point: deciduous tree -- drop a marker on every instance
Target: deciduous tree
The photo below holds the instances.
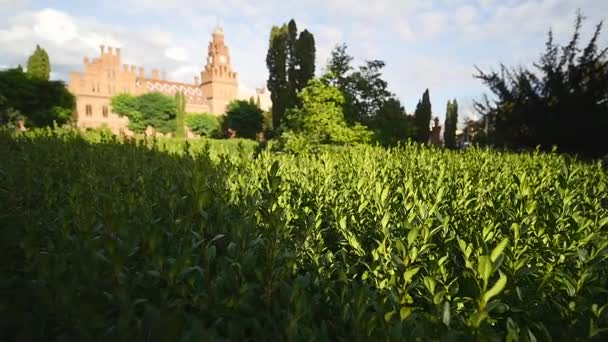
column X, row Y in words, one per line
column 245, row 118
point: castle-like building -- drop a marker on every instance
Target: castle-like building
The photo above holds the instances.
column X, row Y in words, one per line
column 105, row 77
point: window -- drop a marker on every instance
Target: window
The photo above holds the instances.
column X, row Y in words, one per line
column 88, row 110
column 104, row 111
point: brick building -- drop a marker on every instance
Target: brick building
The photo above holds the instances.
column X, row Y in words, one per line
column 104, row 77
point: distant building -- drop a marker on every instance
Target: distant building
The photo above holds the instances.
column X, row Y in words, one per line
column 104, row 78
column 435, row 138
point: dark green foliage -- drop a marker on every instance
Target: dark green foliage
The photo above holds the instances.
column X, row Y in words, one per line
column 561, row 101
column 180, row 102
column 422, row 118
column 451, row 121
column 367, row 99
column 243, row 117
column 39, row 101
column 152, row 109
column 118, row 242
column 38, row 65
column 392, row 124
column 305, row 54
column 291, row 64
column 207, row 125
column 339, row 67
column 276, row 61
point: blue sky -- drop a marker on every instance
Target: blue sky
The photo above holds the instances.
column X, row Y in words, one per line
column 431, row 44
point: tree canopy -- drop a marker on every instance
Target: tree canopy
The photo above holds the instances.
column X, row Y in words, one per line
column 291, row 64
column 320, row 119
column 562, row 100
column 39, row 65
column 244, row 117
column 367, row 99
column 204, row 124
column 39, row 101
column 152, row 109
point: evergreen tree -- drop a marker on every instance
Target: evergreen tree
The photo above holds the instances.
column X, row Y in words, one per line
column 292, row 64
column 180, row 102
column 561, row 100
column 451, row 120
column 305, row 58
column 38, row 65
column 422, row 117
column 276, row 60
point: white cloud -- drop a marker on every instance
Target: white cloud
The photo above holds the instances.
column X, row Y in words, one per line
column 464, row 16
column 433, row 23
column 177, row 54
column 404, row 30
column 55, row 26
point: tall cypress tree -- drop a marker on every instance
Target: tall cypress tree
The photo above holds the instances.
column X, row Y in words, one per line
column 180, row 102
column 38, row 64
column 451, row 120
column 305, row 58
column 276, row 60
column 292, row 62
column 422, row 118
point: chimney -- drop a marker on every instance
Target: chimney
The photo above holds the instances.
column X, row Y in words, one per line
column 155, row 74
column 133, row 69
column 110, row 50
column 118, row 52
column 125, row 68
column 196, row 80
column 102, row 47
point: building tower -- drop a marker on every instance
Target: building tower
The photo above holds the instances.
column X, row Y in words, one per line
column 219, row 83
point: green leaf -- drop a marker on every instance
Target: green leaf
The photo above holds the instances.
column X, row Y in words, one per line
column 430, row 284
column 496, row 289
column 405, row 312
column 343, row 223
column 410, row 273
column 389, row 315
column 446, row 316
column 497, row 251
column 412, row 235
column 484, row 267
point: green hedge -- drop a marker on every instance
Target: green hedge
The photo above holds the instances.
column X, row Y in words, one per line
column 120, row 241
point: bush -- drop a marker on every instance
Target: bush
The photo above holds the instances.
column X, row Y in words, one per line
column 152, row 109
column 42, row 103
column 320, row 119
column 111, row 241
column 207, row 125
column 244, row 117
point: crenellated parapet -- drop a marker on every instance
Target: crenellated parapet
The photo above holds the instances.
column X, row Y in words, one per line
column 105, row 76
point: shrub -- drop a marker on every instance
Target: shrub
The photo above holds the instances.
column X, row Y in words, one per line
column 244, row 117
column 207, row 125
